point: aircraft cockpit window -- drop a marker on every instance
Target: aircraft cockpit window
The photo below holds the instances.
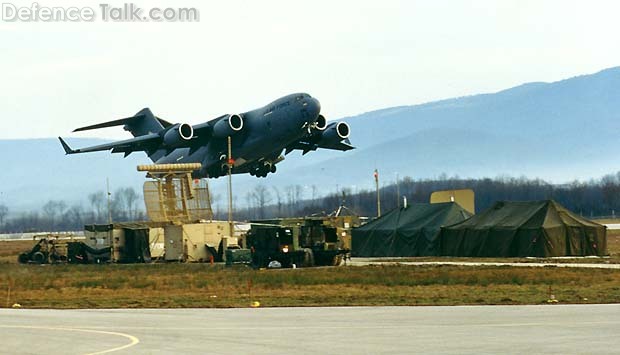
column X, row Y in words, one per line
column 299, row 97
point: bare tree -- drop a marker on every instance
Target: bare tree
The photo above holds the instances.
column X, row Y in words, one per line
column 278, row 199
column 299, row 195
column 314, row 194
column 215, row 204
column 98, row 204
column 125, row 202
column 291, row 202
column 74, row 217
column 611, row 191
column 49, row 210
column 4, row 211
column 249, row 199
column 118, row 207
column 262, row 197
column 132, row 201
column 52, row 209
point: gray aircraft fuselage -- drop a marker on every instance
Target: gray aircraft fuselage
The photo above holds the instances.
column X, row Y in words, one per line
column 258, row 137
column 266, row 133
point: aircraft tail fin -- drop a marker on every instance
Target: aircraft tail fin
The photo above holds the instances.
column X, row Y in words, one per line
column 142, row 123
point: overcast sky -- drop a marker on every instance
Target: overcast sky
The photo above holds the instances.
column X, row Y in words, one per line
column 354, row 56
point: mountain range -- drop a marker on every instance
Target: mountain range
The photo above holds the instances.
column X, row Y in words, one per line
column 557, row 131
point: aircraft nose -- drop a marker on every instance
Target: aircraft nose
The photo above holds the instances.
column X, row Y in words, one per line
column 314, row 107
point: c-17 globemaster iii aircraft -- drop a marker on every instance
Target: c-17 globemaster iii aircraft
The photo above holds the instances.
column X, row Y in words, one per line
column 258, row 137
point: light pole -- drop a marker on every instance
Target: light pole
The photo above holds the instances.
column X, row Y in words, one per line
column 107, row 184
column 376, row 174
column 397, row 191
column 231, row 162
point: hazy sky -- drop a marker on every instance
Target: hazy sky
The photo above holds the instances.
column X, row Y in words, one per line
column 354, row 56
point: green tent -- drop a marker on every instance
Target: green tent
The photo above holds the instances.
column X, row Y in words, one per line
column 410, row 231
column 518, row 229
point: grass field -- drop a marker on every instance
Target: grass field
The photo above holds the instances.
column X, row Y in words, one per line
column 9, row 250
column 613, row 244
column 203, row 285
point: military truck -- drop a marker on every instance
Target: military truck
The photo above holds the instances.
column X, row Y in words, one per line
column 47, row 249
column 301, row 242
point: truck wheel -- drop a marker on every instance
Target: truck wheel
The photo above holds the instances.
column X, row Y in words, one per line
column 23, row 258
column 337, row 260
column 38, row 257
column 308, row 258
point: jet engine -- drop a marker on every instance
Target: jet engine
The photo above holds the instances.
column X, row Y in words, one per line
column 320, row 123
column 335, row 132
column 228, row 126
column 178, row 135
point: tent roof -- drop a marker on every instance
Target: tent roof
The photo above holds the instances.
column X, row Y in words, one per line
column 524, row 214
column 417, row 216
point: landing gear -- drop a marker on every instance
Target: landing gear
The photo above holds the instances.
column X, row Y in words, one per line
column 260, row 171
column 263, row 170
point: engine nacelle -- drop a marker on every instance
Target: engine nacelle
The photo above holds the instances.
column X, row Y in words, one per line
column 320, row 123
column 335, row 132
column 178, row 135
column 228, row 126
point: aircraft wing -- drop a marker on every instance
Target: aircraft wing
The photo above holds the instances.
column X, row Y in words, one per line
column 145, row 121
column 310, row 143
column 334, row 136
column 143, row 143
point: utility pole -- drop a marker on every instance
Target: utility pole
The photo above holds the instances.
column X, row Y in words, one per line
column 397, row 192
column 107, row 184
column 231, row 162
column 378, row 194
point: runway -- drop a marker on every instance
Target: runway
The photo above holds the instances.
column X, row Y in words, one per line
column 545, row 329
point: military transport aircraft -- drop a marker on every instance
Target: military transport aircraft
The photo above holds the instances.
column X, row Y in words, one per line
column 259, row 137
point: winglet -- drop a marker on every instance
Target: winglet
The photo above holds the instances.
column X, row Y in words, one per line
column 66, row 147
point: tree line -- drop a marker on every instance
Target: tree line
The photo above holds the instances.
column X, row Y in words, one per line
column 593, row 198
column 56, row 215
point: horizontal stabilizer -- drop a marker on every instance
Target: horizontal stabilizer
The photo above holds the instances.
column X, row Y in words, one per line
column 121, row 122
column 163, row 122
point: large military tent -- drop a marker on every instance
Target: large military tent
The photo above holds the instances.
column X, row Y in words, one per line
column 518, row 229
column 410, row 231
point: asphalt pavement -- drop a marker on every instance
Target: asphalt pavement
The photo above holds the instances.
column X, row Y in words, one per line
column 544, row 329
